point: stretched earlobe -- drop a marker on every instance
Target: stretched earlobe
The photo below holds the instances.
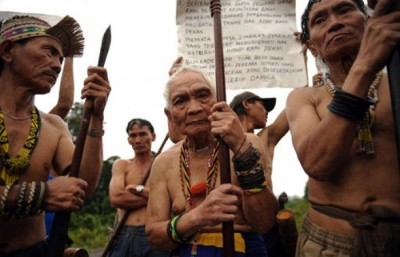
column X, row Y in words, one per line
column 312, row 49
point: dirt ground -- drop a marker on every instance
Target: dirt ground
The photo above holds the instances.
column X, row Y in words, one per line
column 96, row 253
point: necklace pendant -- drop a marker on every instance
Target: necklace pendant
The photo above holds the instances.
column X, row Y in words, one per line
column 193, row 252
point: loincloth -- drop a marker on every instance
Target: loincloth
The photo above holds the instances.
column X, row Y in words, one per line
column 377, row 229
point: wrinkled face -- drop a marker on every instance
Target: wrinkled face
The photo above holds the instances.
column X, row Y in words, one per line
column 191, row 100
column 38, row 63
column 140, row 138
column 336, row 28
column 258, row 113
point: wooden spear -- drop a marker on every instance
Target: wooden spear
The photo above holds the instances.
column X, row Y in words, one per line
column 224, row 164
column 121, row 223
column 58, row 240
column 394, row 84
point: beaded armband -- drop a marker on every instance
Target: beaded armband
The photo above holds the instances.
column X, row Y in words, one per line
column 29, row 200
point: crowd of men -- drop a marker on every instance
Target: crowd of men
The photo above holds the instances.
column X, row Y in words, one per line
column 342, row 130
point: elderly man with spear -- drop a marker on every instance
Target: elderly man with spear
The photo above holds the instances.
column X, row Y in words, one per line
column 34, row 142
column 188, row 204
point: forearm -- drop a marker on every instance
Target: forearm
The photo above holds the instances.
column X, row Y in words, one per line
column 158, row 237
column 22, row 200
column 92, row 159
column 180, row 229
column 259, row 210
column 126, row 200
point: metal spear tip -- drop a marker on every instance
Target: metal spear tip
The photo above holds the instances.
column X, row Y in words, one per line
column 105, row 46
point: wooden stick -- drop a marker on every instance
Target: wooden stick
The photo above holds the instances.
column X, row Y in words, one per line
column 227, row 227
column 58, row 240
column 394, row 84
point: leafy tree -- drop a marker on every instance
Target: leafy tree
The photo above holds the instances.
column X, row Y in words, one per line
column 74, row 119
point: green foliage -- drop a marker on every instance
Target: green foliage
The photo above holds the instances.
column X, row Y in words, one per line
column 90, row 227
column 299, row 207
column 74, row 119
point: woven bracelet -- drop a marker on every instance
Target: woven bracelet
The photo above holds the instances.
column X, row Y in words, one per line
column 3, row 200
column 95, row 133
column 348, row 105
column 253, row 179
column 21, row 199
column 30, row 199
column 173, row 233
column 247, row 160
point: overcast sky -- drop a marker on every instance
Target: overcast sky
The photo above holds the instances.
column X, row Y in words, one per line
column 143, row 47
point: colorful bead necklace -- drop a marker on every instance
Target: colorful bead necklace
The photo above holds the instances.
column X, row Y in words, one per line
column 13, row 167
column 365, row 142
column 202, row 188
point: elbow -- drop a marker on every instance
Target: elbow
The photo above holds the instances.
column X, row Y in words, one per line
column 269, row 219
column 265, row 219
column 156, row 241
column 89, row 191
column 114, row 204
column 317, row 168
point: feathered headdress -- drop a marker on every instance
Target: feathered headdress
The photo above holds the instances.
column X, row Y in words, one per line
column 67, row 31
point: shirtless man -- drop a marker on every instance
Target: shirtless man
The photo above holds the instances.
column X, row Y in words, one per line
column 343, row 132
column 253, row 114
column 187, row 203
column 127, row 192
column 34, row 142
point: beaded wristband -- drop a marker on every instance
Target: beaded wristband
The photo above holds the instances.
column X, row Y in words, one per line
column 348, row 105
column 253, row 179
column 256, row 189
column 3, row 200
column 30, row 199
column 21, row 198
column 173, row 232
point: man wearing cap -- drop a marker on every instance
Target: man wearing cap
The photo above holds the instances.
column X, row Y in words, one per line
column 253, row 113
column 33, row 142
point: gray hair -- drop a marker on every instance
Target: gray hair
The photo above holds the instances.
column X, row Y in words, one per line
column 180, row 70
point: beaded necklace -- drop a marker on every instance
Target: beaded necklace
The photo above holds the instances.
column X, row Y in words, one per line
column 13, row 167
column 365, row 142
column 202, row 188
column 16, row 117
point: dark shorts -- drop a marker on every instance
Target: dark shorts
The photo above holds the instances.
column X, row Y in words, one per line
column 37, row 250
column 132, row 242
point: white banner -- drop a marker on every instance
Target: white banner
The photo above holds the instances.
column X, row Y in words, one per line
column 260, row 49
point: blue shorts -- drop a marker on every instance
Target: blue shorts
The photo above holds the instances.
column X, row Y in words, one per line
column 132, row 242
